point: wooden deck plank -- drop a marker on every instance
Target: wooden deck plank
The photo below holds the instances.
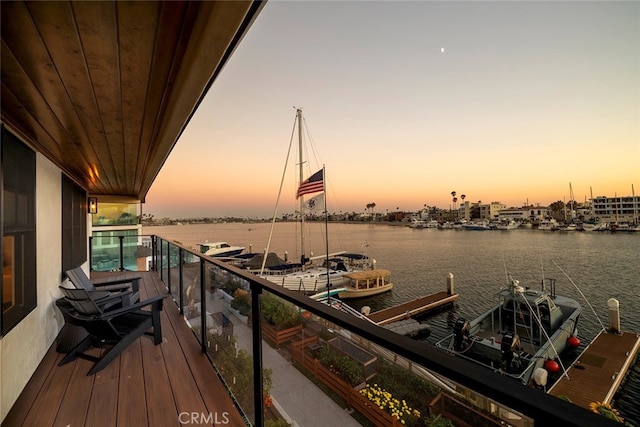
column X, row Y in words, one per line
column 73, row 410
column 132, row 405
column 44, row 410
column 147, row 385
column 161, row 407
column 596, row 374
column 27, row 399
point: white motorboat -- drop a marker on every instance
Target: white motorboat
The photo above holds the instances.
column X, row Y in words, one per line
column 219, row 249
column 366, row 283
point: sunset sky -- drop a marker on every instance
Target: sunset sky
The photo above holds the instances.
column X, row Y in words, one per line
column 406, row 102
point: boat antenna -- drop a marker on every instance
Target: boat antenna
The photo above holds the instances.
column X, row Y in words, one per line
column 275, row 209
column 585, row 298
column 506, row 272
column 542, row 270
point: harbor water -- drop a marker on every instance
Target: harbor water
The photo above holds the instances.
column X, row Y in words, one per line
column 591, row 267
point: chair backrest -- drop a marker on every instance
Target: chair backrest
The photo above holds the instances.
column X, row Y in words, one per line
column 81, row 300
column 79, row 279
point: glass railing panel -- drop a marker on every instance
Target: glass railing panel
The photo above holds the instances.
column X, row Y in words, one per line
column 228, row 338
column 353, row 379
column 136, row 253
column 119, row 250
column 163, row 260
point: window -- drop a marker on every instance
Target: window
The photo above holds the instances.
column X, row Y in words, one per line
column 18, row 179
column 74, row 225
column 110, row 214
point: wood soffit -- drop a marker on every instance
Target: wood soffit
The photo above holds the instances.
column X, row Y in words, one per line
column 105, row 88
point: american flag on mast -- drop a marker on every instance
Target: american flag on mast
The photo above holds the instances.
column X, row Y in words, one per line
column 313, row 184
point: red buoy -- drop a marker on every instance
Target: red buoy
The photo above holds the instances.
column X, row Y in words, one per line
column 551, row 365
column 573, row 341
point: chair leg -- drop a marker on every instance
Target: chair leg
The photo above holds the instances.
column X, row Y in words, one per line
column 157, row 327
column 77, row 351
column 115, row 351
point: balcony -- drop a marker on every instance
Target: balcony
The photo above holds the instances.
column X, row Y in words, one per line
column 240, row 370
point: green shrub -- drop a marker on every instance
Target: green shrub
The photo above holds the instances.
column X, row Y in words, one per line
column 231, row 286
column 241, row 302
column 279, row 313
column 342, row 365
column 437, row 421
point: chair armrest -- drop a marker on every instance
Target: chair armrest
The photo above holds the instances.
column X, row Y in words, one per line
column 120, row 284
column 155, row 301
column 122, row 297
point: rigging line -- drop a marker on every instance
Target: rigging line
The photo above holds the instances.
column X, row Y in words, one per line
column 311, row 149
column 584, row 297
column 275, row 210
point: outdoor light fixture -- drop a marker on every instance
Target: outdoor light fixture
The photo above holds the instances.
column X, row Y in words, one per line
column 93, row 205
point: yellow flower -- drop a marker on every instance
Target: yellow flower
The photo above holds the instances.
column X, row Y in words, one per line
column 606, row 410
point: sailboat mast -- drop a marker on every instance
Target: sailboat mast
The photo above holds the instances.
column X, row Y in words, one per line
column 300, row 180
column 635, row 205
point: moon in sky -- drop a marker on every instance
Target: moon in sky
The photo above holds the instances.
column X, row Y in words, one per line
column 441, row 50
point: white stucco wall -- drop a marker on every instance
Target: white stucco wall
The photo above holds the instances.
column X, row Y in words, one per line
column 22, row 349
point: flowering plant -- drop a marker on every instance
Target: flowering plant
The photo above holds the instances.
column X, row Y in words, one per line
column 606, row 410
column 385, row 401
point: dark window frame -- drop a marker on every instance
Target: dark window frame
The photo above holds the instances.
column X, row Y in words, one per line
column 18, row 226
column 74, row 224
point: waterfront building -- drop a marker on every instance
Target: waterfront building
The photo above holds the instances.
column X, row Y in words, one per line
column 618, row 209
column 521, row 214
column 480, row 211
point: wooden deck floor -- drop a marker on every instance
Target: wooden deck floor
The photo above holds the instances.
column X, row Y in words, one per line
column 599, row 370
column 146, row 385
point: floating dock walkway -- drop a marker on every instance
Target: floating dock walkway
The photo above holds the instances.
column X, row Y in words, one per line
column 598, row 372
column 412, row 308
column 415, row 307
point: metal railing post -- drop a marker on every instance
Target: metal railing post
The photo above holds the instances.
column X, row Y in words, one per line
column 169, row 268
column 121, row 253
column 203, row 309
column 90, row 253
column 180, row 281
column 154, row 249
column 258, row 391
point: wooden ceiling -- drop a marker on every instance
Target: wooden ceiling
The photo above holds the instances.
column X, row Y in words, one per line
column 105, row 88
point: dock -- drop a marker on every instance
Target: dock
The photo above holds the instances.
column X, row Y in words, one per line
column 413, row 308
column 599, row 370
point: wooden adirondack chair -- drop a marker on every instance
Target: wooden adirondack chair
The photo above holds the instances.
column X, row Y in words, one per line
column 117, row 327
column 79, row 280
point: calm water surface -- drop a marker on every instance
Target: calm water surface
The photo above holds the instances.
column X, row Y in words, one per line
column 601, row 265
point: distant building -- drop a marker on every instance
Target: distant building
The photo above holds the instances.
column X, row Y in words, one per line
column 532, row 213
column 616, row 209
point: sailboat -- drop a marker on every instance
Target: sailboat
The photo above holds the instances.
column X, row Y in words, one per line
column 313, row 274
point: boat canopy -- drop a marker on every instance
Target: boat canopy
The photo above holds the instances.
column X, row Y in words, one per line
column 354, row 256
column 368, row 274
column 273, row 262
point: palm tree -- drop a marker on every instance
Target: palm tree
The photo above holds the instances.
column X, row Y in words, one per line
column 453, row 196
